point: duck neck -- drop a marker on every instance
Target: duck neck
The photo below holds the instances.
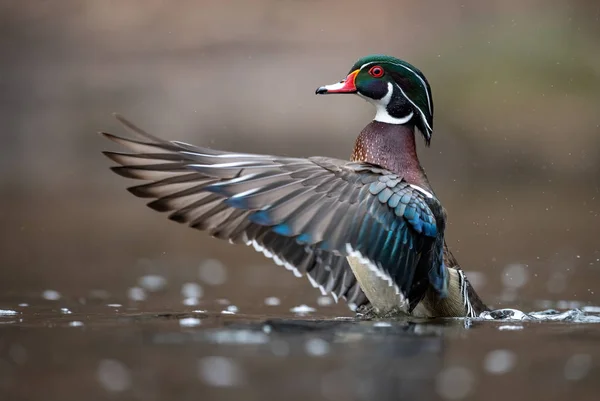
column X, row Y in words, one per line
column 391, row 146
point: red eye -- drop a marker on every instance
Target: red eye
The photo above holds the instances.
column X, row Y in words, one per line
column 376, row 71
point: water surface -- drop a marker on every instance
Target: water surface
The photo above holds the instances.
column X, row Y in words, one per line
column 66, row 350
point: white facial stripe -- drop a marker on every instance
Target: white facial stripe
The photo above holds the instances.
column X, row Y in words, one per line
column 382, row 114
column 416, row 107
column 424, row 85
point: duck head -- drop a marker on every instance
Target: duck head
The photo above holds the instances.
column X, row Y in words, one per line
column 399, row 91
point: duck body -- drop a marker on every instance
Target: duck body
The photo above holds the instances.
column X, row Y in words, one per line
column 369, row 230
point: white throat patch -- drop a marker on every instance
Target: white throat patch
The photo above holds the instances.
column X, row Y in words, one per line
column 382, row 114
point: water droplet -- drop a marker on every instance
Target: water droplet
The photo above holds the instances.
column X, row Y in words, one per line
column 302, row 309
column 114, row 305
column 51, row 295
column 499, row 361
column 7, row 312
column 219, row 371
column 514, row 275
column 65, row 311
column 324, row 301
column 454, row 383
column 191, row 290
column 316, row 347
column 113, row 375
column 191, row 301
column 152, row 282
column 212, row 272
column 75, row 323
column 137, row 294
column 272, row 301
column 578, row 366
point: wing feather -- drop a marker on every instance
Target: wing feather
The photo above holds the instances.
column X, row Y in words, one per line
column 306, row 214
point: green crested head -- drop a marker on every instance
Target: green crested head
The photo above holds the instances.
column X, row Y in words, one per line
column 399, row 91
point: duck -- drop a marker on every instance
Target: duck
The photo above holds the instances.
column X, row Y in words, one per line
column 369, row 230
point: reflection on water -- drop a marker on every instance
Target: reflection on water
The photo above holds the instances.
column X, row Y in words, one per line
column 62, row 350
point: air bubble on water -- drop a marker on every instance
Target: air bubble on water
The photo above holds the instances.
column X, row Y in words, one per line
column 75, row 323
column 65, row 311
column 510, row 327
column 189, row 322
column 113, row 375
column 114, row 305
column 272, row 301
column 218, row 371
column 382, row 324
column 499, row 361
column 23, row 305
column 212, row 272
column 51, row 295
column 454, row 383
column 8, row 312
column 302, row 309
column 233, row 308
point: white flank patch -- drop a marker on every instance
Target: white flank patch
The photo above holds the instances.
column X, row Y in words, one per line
column 463, row 289
column 403, row 302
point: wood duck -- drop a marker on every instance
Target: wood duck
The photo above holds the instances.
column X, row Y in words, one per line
column 369, row 230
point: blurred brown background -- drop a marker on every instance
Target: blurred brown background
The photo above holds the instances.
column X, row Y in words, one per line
column 515, row 153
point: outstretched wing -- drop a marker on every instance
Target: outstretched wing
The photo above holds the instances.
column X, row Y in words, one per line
column 306, row 214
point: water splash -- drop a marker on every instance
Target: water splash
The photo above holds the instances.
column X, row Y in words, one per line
column 587, row 315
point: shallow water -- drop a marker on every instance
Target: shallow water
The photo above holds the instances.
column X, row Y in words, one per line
column 74, row 350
